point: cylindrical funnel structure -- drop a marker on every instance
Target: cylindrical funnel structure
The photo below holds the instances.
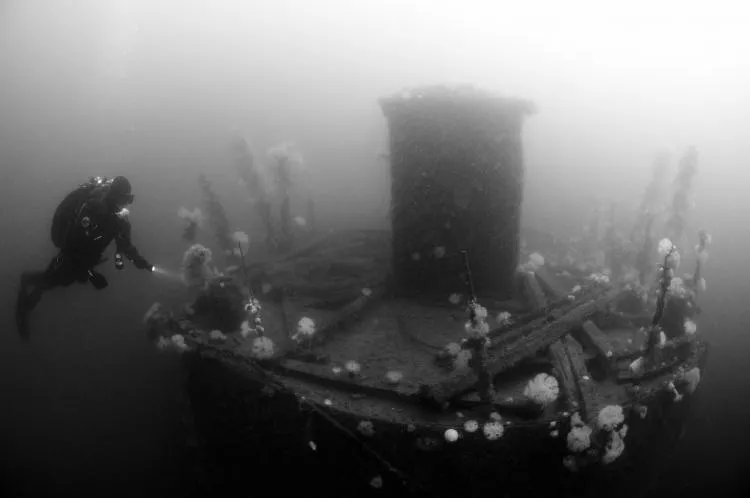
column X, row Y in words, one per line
column 456, row 185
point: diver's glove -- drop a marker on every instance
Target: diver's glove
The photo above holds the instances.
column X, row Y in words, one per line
column 142, row 264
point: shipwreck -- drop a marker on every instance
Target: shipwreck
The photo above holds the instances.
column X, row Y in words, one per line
column 446, row 355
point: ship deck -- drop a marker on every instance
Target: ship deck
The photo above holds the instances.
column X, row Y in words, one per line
column 340, row 282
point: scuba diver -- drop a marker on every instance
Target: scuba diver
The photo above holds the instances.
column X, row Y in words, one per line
column 84, row 224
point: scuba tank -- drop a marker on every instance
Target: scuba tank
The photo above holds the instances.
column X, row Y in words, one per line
column 66, row 213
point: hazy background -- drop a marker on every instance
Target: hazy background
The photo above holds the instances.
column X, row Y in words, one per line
column 152, row 89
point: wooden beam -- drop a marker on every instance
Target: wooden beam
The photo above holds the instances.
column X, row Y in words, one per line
column 574, row 377
column 591, row 336
column 543, row 337
column 564, row 374
column 522, row 348
column 589, row 400
column 502, row 337
column 626, row 376
column 346, row 315
column 672, row 354
column 323, row 375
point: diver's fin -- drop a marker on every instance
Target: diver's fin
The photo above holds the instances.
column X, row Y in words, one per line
column 29, row 294
column 97, row 280
column 22, row 314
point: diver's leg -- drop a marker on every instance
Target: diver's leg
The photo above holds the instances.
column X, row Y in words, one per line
column 33, row 284
column 26, row 301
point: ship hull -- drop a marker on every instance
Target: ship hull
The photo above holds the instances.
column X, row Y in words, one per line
column 273, row 436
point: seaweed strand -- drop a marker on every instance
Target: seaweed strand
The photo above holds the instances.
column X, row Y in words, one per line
column 469, row 278
column 665, row 281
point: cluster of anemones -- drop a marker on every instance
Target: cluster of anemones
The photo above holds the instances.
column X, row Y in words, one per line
column 611, row 420
column 477, row 327
column 305, row 330
column 504, row 319
column 671, row 254
column 606, row 443
column 543, row 389
column 688, row 381
column 678, row 289
column 459, row 355
column 261, row 347
column 254, row 323
column 579, row 437
column 174, row 343
column 599, row 278
column 217, row 336
column 195, row 269
column 534, row 263
column 493, row 429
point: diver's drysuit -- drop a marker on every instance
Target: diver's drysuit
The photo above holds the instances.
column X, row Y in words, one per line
column 84, row 224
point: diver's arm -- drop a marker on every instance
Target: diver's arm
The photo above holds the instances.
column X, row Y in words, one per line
column 127, row 249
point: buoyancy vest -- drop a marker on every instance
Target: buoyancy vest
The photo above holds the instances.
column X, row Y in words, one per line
column 67, row 211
